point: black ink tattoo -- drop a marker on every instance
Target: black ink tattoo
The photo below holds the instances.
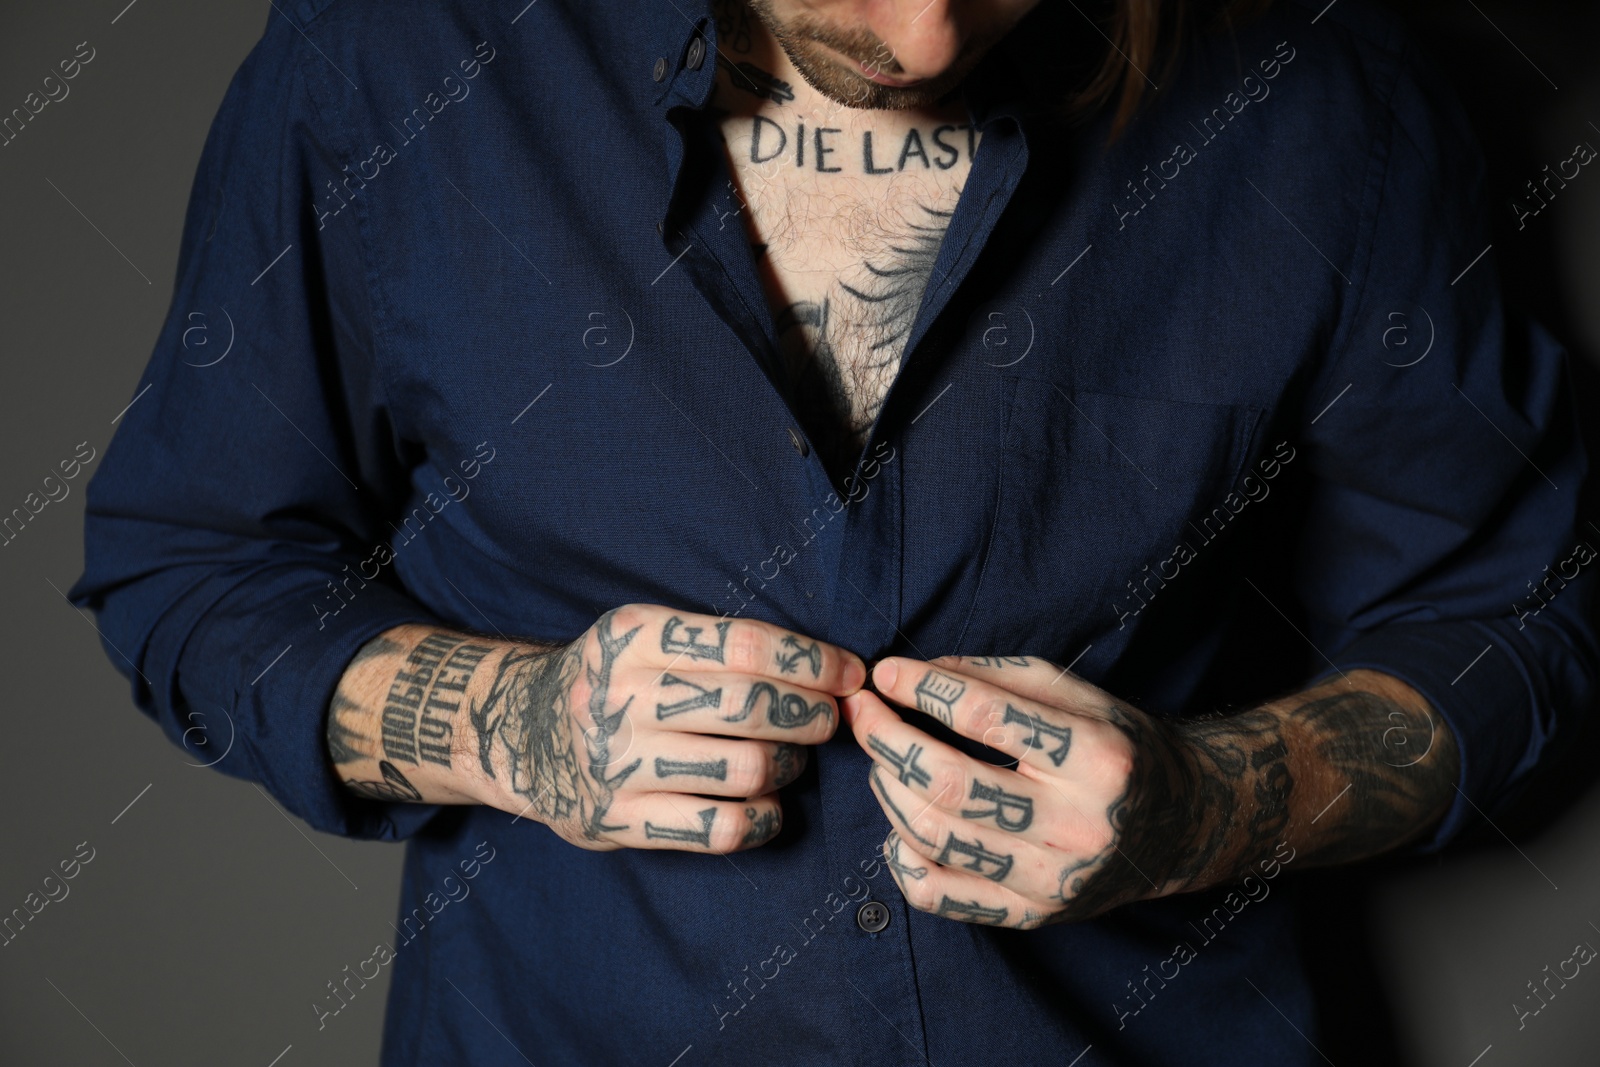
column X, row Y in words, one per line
column 733, row 25
column 419, row 712
column 991, row 865
column 562, row 772
column 897, row 864
column 1387, row 803
column 1009, row 811
column 705, row 698
column 690, row 645
column 763, row 827
column 842, row 351
column 906, row 767
column 998, row 662
column 752, row 79
column 345, row 744
column 701, row 836
column 790, row 760
column 786, row 711
column 937, row 695
column 970, row 911
column 1038, row 729
column 789, row 662
column 900, row 816
column 668, row 768
column 393, row 787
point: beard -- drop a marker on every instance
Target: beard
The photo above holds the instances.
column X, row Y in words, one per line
column 804, row 39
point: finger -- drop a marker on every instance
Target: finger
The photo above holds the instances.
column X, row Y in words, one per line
column 692, row 824
column 1004, row 859
column 738, row 705
column 1028, row 676
column 673, row 640
column 719, row 767
column 958, row 895
column 1037, row 735
column 950, row 780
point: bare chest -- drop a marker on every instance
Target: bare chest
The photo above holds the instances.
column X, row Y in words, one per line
column 847, row 221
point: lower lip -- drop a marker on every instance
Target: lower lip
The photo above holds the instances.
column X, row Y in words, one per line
column 881, row 79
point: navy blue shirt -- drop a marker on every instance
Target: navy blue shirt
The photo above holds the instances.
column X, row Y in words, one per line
column 461, row 310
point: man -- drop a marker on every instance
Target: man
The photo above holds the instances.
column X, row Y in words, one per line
column 611, row 384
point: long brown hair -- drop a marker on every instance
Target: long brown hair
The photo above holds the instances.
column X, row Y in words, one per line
column 1148, row 36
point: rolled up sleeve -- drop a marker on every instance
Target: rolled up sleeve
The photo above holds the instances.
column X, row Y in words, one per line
column 1445, row 471
column 231, row 527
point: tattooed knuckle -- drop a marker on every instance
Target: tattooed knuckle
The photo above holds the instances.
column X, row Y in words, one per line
column 948, row 783
column 728, row 834
column 749, row 648
column 748, row 769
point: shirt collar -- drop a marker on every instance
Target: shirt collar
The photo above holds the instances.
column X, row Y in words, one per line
column 671, row 28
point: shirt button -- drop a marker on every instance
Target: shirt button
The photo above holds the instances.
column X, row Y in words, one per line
column 660, row 70
column 697, row 54
column 872, row 917
column 799, row 443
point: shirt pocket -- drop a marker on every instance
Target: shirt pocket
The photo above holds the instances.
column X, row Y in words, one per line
column 1095, row 488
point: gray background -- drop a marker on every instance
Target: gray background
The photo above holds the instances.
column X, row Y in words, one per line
column 208, row 920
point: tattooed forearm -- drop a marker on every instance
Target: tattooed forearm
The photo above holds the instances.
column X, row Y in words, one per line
column 1323, row 772
column 1399, row 765
column 419, row 712
column 397, row 703
column 393, row 786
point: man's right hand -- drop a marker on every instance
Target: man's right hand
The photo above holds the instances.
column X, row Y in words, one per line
column 654, row 729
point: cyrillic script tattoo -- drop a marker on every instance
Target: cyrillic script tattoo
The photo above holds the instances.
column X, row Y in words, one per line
column 419, row 712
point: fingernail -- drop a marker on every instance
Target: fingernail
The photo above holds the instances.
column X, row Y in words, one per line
column 885, row 673
column 855, row 674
